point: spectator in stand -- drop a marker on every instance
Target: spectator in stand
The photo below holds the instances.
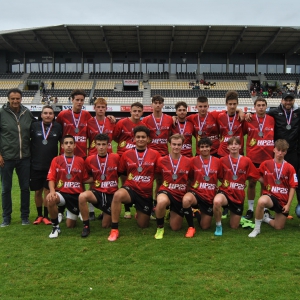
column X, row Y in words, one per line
column 52, row 85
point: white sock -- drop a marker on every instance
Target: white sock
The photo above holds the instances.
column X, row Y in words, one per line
column 250, row 204
column 257, row 224
column 267, row 220
column 219, row 223
column 91, row 207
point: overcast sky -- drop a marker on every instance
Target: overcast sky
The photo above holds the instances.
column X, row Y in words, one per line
column 19, row 14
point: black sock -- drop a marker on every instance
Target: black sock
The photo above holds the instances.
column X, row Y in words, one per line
column 39, row 211
column 127, row 207
column 189, row 216
column 114, row 225
column 45, row 212
column 160, row 222
column 197, row 216
column 154, row 203
column 86, row 223
column 61, row 209
column 55, row 221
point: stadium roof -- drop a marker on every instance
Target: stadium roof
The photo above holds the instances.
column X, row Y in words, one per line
column 153, row 38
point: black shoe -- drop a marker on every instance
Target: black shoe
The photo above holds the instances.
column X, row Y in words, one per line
column 85, row 231
column 92, row 216
column 100, row 217
column 249, row 214
column 268, row 214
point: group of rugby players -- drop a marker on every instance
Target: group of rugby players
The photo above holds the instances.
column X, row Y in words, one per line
column 183, row 182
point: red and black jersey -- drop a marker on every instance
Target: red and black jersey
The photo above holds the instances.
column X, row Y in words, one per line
column 177, row 187
column 260, row 139
column 106, row 178
column 58, row 173
column 200, row 171
column 288, row 179
column 160, row 130
column 206, row 127
column 65, row 119
column 105, row 126
column 186, row 129
column 225, row 128
column 123, row 134
column 234, row 188
column 140, row 182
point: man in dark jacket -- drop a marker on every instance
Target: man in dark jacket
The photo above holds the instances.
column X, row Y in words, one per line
column 287, row 126
column 15, row 122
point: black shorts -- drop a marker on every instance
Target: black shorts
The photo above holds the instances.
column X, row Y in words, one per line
column 72, row 204
column 142, row 204
column 205, row 207
column 257, row 165
column 38, row 180
column 235, row 208
column 175, row 205
column 276, row 206
column 103, row 201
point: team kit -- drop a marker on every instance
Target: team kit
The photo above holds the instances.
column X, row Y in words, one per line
column 158, row 148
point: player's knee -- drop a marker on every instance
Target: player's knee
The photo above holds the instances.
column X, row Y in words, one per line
column 278, row 226
column 175, row 227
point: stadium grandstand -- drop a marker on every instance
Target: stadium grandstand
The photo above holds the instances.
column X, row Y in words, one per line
column 131, row 63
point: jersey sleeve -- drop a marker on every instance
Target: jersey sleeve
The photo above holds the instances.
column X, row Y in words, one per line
column 253, row 171
column 293, row 180
column 122, row 165
column 52, row 171
column 117, row 131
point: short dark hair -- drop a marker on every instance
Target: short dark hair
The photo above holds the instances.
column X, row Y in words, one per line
column 180, row 103
column 47, row 106
column 68, row 136
column 101, row 137
column 204, row 141
column 260, row 99
column 232, row 95
column 158, row 98
column 202, row 99
column 137, row 104
column 78, row 92
column 141, row 128
column 14, row 90
column 234, row 139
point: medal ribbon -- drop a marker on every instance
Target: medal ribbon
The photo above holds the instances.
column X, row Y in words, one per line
column 46, row 133
column 260, row 125
column 140, row 160
column 99, row 165
column 278, row 172
column 234, row 170
column 175, row 168
column 100, row 128
column 181, row 130
column 76, row 121
column 69, row 167
column 206, row 167
column 230, row 124
column 288, row 119
column 203, row 123
column 158, row 125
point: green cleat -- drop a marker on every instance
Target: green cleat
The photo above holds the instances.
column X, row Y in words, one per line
column 159, row 233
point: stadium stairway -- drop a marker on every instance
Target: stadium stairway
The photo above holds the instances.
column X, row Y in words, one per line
column 147, row 94
column 85, row 77
column 37, row 98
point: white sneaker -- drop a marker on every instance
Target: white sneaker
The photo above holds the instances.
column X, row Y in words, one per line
column 127, row 215
column 55, row 232
column 60, row 217
column 254, row 233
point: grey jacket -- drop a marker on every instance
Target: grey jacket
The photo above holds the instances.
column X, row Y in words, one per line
column 15, row 132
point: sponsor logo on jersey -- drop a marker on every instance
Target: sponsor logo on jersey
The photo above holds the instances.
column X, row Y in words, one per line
column 268, row 187
column 226, row 183
column 165, row 183
column 207, row 186
column 72, row 184
column 159, row 141
column 97, row 183
column 237, row 186
column 279, row 190
column 60, row 184
column 177, row 186
column 122, row 144
column 186, row 146
column 265, row 143
column 80, row 138
column 295, row 178
column 93, row 144
column 130, row 146
column 107, row 184
column 139, row 178
column 195, row 185
column 252, row 142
